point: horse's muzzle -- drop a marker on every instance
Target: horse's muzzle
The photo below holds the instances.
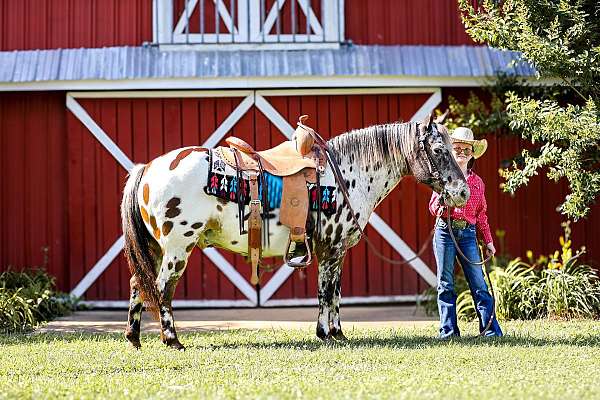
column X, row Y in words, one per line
column 456, row 194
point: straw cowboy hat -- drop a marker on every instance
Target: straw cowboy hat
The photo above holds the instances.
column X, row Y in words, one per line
column 465, row 135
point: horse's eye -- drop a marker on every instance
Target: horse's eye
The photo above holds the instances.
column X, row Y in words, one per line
column 437, row 151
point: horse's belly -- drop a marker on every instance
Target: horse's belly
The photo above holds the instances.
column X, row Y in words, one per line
column 228, row 236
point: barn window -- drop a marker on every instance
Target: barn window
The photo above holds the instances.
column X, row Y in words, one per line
column 249, row 24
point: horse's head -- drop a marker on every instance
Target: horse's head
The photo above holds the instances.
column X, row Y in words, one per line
column 435, row 166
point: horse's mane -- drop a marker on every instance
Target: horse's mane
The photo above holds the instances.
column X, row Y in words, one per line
column 392, row 144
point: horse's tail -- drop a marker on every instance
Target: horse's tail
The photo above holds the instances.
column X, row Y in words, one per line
column 138, row 242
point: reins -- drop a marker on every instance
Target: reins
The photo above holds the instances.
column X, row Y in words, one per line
column 433, row 170
column 339, row 179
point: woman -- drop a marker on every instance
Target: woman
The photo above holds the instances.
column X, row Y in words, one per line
column 465, row 220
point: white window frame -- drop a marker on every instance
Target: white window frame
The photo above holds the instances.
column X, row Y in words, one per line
column 245, row 29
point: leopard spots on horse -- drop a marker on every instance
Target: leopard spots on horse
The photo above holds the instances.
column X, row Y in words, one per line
column 155, row 229
column 145, row 215
column 234, row 242
column 183, row 154
column 172, row 209
column 183, row 222
column 222, row 201
column 188, row 233
column 353, row 183
column 338, row 214
column 329, row 230
column 349, row 216
column 166, row 228
column 338, row 234
column 146, row 193
column 197, row 225
column 219, row 207
column 179, row 266
column 190, row 247
column 170, row 265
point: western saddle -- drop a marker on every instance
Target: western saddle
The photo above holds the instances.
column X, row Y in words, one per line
column 298, row 161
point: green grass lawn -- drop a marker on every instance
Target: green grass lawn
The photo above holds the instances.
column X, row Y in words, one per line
column 543, row 359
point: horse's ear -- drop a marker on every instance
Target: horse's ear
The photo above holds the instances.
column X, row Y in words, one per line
column 428, row 120
column 441, row 118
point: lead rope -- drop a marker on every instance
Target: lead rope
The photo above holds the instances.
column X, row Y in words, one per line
column 483, row 267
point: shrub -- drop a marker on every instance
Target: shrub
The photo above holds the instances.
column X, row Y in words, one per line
column 27, row 298
column 554, row 286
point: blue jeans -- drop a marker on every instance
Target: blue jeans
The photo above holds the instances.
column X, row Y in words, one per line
column 445, row 254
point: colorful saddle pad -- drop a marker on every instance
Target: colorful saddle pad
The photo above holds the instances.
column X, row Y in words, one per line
column 223, row 183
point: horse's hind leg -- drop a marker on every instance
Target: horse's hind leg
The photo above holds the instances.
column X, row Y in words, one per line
column 134, row 317
column 171, row 269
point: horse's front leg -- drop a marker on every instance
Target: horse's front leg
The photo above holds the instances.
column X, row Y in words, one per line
column 335, row 324
column 171, row 269
column 330, row 270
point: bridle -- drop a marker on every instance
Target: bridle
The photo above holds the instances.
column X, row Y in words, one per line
column 433, row 169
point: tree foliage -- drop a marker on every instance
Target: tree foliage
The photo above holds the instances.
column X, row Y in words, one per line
column 561, row 39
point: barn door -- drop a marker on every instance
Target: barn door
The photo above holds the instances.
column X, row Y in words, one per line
column 135, row 127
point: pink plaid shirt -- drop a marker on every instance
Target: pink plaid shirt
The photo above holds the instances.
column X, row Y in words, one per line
column 474, row 212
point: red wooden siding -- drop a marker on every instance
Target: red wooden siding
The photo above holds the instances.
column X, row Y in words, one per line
column 45, row 24
column 60, row 189
column 34, row 183
column 414, row 22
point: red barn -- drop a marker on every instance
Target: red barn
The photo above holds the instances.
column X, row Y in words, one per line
column 87, row 88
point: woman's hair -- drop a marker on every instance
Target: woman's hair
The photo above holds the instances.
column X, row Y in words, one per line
column 470, row 163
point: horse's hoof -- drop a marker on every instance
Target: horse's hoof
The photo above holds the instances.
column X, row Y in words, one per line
column 133, row 340
column 339, row 336
column 176, row 344
column 321, row 334
column 135, row 344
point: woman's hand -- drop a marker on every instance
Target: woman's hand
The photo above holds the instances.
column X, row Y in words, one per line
column 490, row 249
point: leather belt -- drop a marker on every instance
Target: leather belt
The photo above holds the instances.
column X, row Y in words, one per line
column 459, row 224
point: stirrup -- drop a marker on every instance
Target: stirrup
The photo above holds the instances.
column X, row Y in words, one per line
column 298, row 264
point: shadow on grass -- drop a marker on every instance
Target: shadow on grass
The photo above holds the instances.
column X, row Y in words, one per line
column 232, row 340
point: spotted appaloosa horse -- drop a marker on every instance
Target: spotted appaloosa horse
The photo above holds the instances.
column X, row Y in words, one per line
column 166, row 213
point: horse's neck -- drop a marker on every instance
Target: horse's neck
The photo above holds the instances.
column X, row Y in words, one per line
column 370, row 175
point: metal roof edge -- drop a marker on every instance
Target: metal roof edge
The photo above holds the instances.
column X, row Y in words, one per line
column 256, row 83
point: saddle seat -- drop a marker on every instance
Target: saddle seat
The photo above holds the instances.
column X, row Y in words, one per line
column 281, row 160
